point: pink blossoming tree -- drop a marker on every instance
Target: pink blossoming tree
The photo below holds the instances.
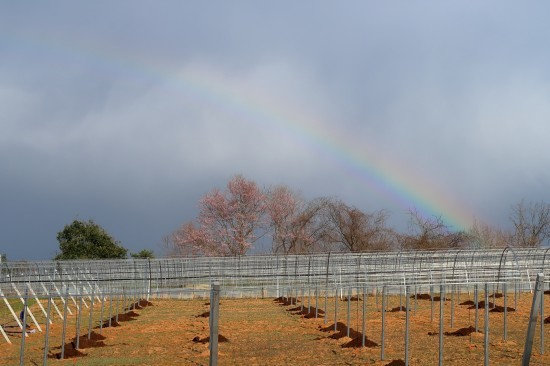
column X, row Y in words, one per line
column 228, row 223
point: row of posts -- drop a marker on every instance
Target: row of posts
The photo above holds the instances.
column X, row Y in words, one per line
column 292, row 294
column 107, row 299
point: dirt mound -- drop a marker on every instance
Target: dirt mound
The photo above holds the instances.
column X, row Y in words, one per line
column 114, row 323
column 468, row 303
column 341, row 331
column 462, row 332
column 144, row 303
column 125, row 317
column 481, row 304
column 358, row 342
column 287, row 300
column 353, row 298
column 70, row 352
column 397, row 309
column 305, row 313
column 311, row 313
column 422, row 296
column 438, row 298
column 221, row 339
column 399, row 362
column 96, row 340
column 500, row 309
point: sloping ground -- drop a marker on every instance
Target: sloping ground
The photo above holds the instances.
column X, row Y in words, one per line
column 264, row 332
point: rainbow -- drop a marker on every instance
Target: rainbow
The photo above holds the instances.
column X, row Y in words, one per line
column 364, row 162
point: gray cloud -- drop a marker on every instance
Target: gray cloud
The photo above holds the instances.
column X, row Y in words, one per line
column 128, row 112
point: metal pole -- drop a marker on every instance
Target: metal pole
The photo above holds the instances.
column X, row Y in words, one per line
column 476, row 298
column 79, row 317
column 66, row 303
column 102, row 308
column 504, row 290
column 316, row 302
column 363, row 329
column 383, row 321
column 542, row 320
column 441, row 300
column 431, row 303
column 24, row 329
column 326, row 308
column 348, row 317
column 486, row 325
column 91, row 313
column 46, row 338
column 214, row 318
column 335, row 309
column 453, row 288
column 532, row 321
column 407, row 300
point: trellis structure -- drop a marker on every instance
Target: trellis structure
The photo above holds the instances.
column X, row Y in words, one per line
column 267, row 274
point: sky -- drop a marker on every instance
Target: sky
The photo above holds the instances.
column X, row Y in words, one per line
column 128, row 112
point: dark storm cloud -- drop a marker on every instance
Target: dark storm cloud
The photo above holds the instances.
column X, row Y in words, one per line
column 97, row 120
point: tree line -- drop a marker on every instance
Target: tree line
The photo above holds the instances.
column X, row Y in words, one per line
column 231, row 221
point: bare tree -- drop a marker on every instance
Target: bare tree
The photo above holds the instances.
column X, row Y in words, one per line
column 297, row 226
column 484, row 236
column 425, row 232
column 354, row 230
column 432, row 233
column 531, row 223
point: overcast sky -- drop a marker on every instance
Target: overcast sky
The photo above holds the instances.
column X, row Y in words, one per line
column 127, row 112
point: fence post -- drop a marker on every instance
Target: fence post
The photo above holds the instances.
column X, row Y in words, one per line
column 407, row 304
column 441, row 303
column 46, row 338
column 24, row 328
column 214, row 322
column 532, row 321
column 486, row 326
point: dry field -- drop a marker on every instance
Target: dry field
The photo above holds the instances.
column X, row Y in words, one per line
column 269, row 332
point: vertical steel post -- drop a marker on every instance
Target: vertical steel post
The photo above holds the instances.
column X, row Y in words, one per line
column 363, row 328
column 486, row 326
column 46, row 338
column 453, row 288
column 505, row 331
column 349, row 312
column 91, row 313
column 441, row 300
column 407, row 300
column 64, row 332
column 101, row 315
column 78, row 318
column 383, row 321
column 24, row 329
column 532, row 320
column 431, row 303
column 476, row 300
column 214, row 319
column 542, row 320
column 316, row 302
column 335, row 309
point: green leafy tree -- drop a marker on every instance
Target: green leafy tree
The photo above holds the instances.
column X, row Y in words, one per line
column 87, row 240
column 145, row 253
